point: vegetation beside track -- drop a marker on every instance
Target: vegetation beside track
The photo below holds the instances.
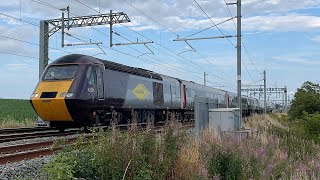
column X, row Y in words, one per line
column 277, row 153
column 16, row 113
column 304, row 114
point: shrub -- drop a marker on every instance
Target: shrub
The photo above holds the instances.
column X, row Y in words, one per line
column 134, row 155
column 277, row 153
column 225, row 165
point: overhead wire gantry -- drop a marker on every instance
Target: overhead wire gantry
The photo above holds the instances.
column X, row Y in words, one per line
column 49, row 27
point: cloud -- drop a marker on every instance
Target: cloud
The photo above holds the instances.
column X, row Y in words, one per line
column 24, row 33
column 297, row 60
column 182, row 14
column 316, row 39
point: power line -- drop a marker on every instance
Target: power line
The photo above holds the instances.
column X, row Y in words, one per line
column 213, row 22
column 213, row 65
column 249, row 57
column 14, row 54
column 234, row 23
column 150, row 18
column 139, row 33
column 49, row 5
column 87, row 6
column 195, row 65
column 247, row 71
column 19, row 19
column 209, row 27
column 46, row 4
column 32, row 43
column 246, row 50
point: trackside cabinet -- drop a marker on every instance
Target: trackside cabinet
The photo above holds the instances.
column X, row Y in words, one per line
column 225, row 119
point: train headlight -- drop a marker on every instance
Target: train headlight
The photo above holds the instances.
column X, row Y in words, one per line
column 63, row 94
column 34, row 95
column 69, row 95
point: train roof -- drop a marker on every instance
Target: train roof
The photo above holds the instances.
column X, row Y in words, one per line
column 84, row 59
column 131, row 70
column 80, row 58
column 76, row 58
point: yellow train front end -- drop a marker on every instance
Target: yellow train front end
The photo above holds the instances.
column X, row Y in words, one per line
column 54, row 89
column 49, row 102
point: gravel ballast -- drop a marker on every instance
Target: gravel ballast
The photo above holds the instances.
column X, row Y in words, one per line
column 26, row 169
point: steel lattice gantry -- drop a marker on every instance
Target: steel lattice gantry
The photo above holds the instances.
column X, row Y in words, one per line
column 92, row 20
column 72, row 22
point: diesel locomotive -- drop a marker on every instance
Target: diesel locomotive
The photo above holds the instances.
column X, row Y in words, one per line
column 79, row 91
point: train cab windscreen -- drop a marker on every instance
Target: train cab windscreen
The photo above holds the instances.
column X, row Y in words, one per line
column 60, row 72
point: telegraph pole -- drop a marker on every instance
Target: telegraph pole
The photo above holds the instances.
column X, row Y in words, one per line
column 239, row 56
column 265, row 91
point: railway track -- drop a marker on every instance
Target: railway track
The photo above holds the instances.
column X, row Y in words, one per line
column 22, row 130
column 20, row 136
column 20, row 152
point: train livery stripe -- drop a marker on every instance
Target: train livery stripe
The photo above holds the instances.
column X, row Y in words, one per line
column 52, row 108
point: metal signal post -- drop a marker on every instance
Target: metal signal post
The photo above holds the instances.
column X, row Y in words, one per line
column 239, row 55
column 238, row 3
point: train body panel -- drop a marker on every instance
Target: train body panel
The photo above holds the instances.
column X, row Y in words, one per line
column 87, row 90
column 216, row 97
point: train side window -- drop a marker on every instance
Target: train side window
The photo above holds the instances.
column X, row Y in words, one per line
column 90, row 76
column 158, row 99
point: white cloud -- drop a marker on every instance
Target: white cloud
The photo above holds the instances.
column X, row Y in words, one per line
column 297, row 60
column 316, row 39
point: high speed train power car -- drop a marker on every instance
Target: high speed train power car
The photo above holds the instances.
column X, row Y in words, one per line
column 79, row 90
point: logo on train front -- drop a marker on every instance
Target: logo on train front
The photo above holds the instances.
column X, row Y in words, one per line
column 140, row 91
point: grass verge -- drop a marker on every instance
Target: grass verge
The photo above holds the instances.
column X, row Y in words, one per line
column 276, row 153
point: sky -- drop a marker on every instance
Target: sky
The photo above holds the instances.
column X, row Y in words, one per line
column 281, row 37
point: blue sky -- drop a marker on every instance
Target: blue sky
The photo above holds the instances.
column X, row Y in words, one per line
column 282, row 37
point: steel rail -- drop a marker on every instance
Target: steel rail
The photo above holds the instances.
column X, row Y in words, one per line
column 14, row 137
column 22, row 130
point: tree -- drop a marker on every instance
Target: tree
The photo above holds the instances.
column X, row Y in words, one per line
column 306, row 99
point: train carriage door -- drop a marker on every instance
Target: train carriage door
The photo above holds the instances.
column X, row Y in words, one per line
column 184, row 96
column 100, row 84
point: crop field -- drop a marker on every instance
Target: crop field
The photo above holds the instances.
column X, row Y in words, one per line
column 16, row 113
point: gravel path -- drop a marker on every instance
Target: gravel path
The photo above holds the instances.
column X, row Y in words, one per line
column 27, row 169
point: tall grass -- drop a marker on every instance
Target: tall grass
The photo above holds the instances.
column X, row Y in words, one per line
column 275, row 153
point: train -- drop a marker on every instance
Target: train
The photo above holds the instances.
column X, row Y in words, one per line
column 83, row 91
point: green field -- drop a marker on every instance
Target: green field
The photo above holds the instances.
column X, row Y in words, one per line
column 16, row 112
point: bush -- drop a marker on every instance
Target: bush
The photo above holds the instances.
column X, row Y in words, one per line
column 134, row 155
column 277, row 153
column 225, row 165
column 309, row 124
column 306, row 99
